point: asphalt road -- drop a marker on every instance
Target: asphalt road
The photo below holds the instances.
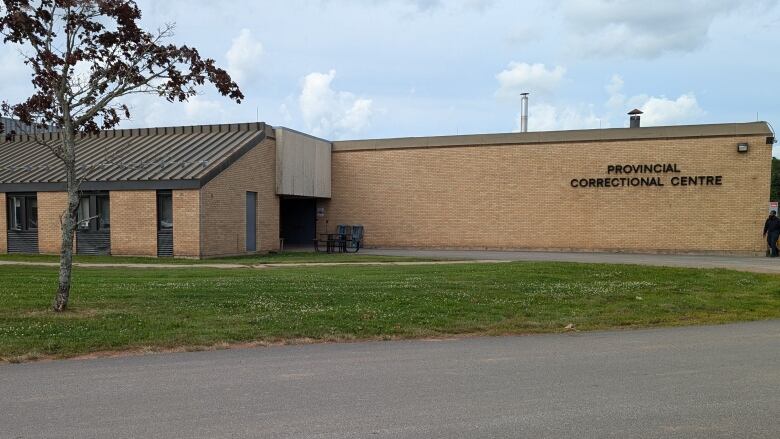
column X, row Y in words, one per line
column 693, row 382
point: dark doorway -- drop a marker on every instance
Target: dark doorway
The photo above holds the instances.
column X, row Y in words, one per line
column 298, row 221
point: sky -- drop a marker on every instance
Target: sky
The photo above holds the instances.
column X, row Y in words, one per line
column 347, row 69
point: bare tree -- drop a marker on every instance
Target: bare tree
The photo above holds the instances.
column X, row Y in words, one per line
column 86, row 55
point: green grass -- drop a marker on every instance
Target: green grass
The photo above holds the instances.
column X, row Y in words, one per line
column 120, row 309
column 270, row 258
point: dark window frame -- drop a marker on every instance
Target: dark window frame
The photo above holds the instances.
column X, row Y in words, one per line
column 162, row 196
column 95, row 223
column 27, row 201
column 101, row 215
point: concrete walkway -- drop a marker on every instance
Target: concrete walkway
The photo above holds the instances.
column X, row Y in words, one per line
column 754, row 264
column 255, row 266
column 448, row 257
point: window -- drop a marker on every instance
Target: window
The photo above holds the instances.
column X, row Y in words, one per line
column 32, row 212
column 103, row 212
column 93, row 212
column 83, row 213
column 17, row 213
column 22, row 212
column 164, row 210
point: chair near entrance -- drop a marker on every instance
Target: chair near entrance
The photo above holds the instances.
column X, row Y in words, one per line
column 346, row 239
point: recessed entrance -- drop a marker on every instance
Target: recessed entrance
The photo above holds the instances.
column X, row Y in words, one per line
column 298, row 221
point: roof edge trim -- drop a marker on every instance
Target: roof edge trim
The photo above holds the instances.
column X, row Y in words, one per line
column 103, row 186
column 539, row 137
column 134, row 132
column 283, row 129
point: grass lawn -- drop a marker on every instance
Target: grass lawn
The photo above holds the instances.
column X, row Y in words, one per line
column 270, row 258
column 119, row 309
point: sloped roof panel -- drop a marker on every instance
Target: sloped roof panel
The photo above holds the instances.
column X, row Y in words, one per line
column 148, row 155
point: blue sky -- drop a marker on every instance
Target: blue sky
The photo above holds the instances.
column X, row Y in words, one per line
column 385, row 68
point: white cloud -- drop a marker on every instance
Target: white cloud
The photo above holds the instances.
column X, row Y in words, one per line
column 432, row 5
column 524, row 34
column 425, row 5
column 480, row 5
column 201, row 110
column 532, row 78
column 328, row 112
column 643, row 29
column 663, row 111
column 152, row 111
column 546, row 117
column 243, row 57
column 285, row 113
column 15, row 85
column 12, row 63
column 657, row 110
column 615, row 91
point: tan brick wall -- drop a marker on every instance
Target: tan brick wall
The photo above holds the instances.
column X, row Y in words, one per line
column 223, row 202
column 133, row 223
column 3, row 224
column 51, row 207
column 322, row 224
column 186, row 223
column 519, row 197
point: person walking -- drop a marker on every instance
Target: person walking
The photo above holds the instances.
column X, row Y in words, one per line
column 772, row 232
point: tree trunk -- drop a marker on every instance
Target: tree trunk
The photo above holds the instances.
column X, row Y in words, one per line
column 66, row 262
column 68, row 222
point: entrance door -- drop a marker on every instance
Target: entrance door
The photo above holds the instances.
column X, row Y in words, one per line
column 298, row 221
column 251, row 221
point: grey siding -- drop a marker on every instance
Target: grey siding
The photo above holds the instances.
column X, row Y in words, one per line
column 302, row 164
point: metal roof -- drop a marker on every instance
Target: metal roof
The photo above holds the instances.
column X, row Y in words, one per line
column 536, row 137
column 143, row 158
column 13, row 125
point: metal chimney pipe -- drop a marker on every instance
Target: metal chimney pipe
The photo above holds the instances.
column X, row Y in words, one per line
column 524, row 113
column 634, row 118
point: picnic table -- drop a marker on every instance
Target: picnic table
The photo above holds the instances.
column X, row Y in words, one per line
column 345, row 239
column 333, row 242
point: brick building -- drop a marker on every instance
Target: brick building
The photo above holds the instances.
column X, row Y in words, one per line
column 233, row 189
column 179, row 191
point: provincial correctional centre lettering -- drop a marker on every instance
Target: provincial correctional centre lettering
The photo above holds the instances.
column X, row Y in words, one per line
column 637, row 175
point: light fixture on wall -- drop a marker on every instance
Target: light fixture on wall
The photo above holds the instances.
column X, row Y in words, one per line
column 742, row 147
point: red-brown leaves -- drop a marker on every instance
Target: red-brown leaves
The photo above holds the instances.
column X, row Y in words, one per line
column 119, row 58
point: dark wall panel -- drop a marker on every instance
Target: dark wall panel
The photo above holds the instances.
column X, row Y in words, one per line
column 23, row 241
column 165, row 243
column 93, row 243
